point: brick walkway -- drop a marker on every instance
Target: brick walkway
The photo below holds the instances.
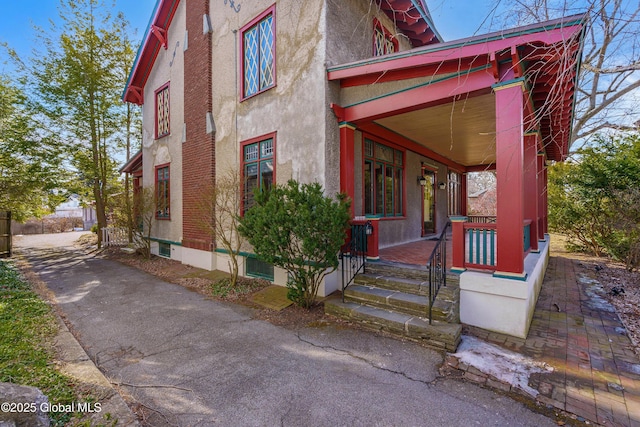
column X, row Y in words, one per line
column 596, row 372
column 414, row 253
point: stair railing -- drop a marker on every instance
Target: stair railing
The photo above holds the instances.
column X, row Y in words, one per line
column 437, row 269
column 354, row 254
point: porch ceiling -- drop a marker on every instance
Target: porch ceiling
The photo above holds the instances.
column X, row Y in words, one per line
column 463, row 131
column 446, row 113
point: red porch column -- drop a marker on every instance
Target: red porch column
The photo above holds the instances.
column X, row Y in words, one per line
column 457, row 243
column 545, row 200
column 347, row 162
column 465, row 196
column 531, row 186
column 541, row 191
column 510, row 178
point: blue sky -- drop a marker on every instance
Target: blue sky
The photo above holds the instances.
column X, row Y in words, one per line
column 453, row 19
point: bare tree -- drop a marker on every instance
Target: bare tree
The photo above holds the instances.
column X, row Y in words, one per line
column 609, row 74
column 145, row 208
column 219, row 213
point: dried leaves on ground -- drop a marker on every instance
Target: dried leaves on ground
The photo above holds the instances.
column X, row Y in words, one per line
column 215, row 285
column 620, row 287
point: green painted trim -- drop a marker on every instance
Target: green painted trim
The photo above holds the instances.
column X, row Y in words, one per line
column 458, row 218
column 348, row 125
column 513, row 82
column 241, row 253
column 427, row 19
column 429, row 83
column 457, row 270
column 155, row 239
column 517, row 277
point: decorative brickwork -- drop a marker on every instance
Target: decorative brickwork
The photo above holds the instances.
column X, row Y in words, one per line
column 198, row 152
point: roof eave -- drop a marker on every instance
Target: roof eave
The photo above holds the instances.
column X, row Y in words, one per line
column 147, row 51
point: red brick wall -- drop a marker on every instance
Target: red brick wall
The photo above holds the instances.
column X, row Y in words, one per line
column 198, row 152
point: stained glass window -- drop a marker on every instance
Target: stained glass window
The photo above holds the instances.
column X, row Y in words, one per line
column 258, row 41
column 383, row 41
column 162, row 112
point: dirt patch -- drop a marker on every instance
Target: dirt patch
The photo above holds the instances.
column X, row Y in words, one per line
column 211, row 284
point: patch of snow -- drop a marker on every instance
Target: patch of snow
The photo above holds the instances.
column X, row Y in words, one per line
column 595, row 292
column 505, row 365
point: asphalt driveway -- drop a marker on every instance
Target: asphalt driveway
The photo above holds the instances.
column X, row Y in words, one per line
column 191, row 361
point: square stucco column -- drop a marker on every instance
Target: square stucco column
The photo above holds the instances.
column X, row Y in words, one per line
column 510, row 179
column 347, row 162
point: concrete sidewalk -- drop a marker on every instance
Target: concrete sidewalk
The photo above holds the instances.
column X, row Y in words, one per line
column 596, row 373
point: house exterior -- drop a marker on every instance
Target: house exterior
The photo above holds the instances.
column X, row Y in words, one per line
column 365, row 98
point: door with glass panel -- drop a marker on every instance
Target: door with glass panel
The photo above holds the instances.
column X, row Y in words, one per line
column 428, row 203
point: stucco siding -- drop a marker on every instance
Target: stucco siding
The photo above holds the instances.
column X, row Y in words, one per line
column 294, row 108
column 350, row 30
column 168, row 68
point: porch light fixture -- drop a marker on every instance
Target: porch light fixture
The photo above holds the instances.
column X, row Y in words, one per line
column 422, row 181
column 369, row 228
column 442, row 185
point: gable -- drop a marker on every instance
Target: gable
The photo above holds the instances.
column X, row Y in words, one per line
column 155, row 38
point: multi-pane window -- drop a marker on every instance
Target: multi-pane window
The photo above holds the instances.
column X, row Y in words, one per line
column 258, row 168
column 383, row 179
column 383, row 41
column 162, row 192
column 455, row 194
column 162, row 111
column 258, row 54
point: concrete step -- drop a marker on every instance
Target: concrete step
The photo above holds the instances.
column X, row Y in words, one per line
column 439, row 335
column 408, row 271
column 402, row 302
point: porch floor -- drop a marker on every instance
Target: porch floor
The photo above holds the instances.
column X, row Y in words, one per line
column 414, row 253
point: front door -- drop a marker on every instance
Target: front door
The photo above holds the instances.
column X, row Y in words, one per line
column 428, row 203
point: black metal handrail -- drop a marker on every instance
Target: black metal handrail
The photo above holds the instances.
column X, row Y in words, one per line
column 437, row 269
column 354, row 255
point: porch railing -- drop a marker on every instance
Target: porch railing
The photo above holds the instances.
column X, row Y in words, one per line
column 527, row 235
column 437, row 269
column 480, row 240
column 477, row 243
column 354, row 255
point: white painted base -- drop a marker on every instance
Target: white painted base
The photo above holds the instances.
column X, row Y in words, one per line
column 176, row 252
column 220, row 261
column 197, row 258
column 503, row 305
column 328, row 285
column 223, row 263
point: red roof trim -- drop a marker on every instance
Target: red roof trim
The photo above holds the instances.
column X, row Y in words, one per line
column 440, row 53
column 154, row 38
column 133, row 164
